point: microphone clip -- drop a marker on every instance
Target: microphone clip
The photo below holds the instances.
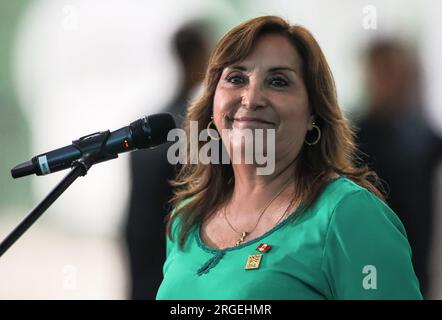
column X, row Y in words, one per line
column 92, row 147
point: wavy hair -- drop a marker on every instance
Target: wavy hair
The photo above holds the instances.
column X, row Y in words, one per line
column 207, row 187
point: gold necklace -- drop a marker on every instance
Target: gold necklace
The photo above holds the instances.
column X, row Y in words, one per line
column 244, row 234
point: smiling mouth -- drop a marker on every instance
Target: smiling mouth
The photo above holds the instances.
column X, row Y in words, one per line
column 251, row 120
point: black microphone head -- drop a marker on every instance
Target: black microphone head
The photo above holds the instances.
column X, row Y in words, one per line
column 152, row 130
column 160, row 124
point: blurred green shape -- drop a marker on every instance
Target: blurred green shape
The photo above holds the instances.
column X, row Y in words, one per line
column 14, row 129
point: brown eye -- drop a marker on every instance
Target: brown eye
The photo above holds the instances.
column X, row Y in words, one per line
column 278, row 82
column 235, row 79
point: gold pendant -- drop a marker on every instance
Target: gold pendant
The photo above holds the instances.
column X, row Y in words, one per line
column 253, row 261
column 243, row 236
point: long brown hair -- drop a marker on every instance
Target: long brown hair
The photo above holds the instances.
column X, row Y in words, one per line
column 206, row 187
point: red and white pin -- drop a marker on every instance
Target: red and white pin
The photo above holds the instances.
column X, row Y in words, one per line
column 264, row 247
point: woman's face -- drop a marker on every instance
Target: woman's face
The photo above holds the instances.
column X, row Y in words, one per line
column 266, row 90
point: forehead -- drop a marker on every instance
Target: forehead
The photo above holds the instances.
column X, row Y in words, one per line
column 273, row 49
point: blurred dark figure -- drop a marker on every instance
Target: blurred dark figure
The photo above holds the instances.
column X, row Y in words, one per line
column 151, row 172
column 400, row 146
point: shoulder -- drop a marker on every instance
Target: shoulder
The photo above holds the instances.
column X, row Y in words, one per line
column 342, row 188
column 351, row 204
column 342, row 200
column 176, row 222
column 362, row 234
column 351, row 210
column 176, row 219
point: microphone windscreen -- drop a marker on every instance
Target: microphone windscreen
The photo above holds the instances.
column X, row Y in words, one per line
column 160, row 124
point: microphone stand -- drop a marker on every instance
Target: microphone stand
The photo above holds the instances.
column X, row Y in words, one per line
column 80, row 167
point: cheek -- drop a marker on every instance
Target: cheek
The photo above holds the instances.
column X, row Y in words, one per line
column 294, row 123
column 294, row 110
column 222, row 107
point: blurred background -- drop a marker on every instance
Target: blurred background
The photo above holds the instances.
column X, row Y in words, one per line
column 70, row 68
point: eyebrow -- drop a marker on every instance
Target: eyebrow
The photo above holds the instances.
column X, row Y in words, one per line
column 272, row 69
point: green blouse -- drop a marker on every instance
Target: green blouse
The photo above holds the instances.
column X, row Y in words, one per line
column 347, row 245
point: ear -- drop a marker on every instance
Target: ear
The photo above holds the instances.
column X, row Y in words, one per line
column 310, row 122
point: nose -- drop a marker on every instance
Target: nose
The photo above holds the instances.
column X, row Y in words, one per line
column 253, row 97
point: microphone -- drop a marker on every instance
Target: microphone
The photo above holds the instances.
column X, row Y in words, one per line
column 146, row 132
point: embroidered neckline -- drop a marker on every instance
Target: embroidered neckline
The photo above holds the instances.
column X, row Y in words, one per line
column 219, row 253
column 208, row 249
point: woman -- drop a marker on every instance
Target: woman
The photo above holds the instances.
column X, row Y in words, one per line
column 316, row 227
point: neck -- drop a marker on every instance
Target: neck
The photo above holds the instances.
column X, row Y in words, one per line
column 259, row 189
